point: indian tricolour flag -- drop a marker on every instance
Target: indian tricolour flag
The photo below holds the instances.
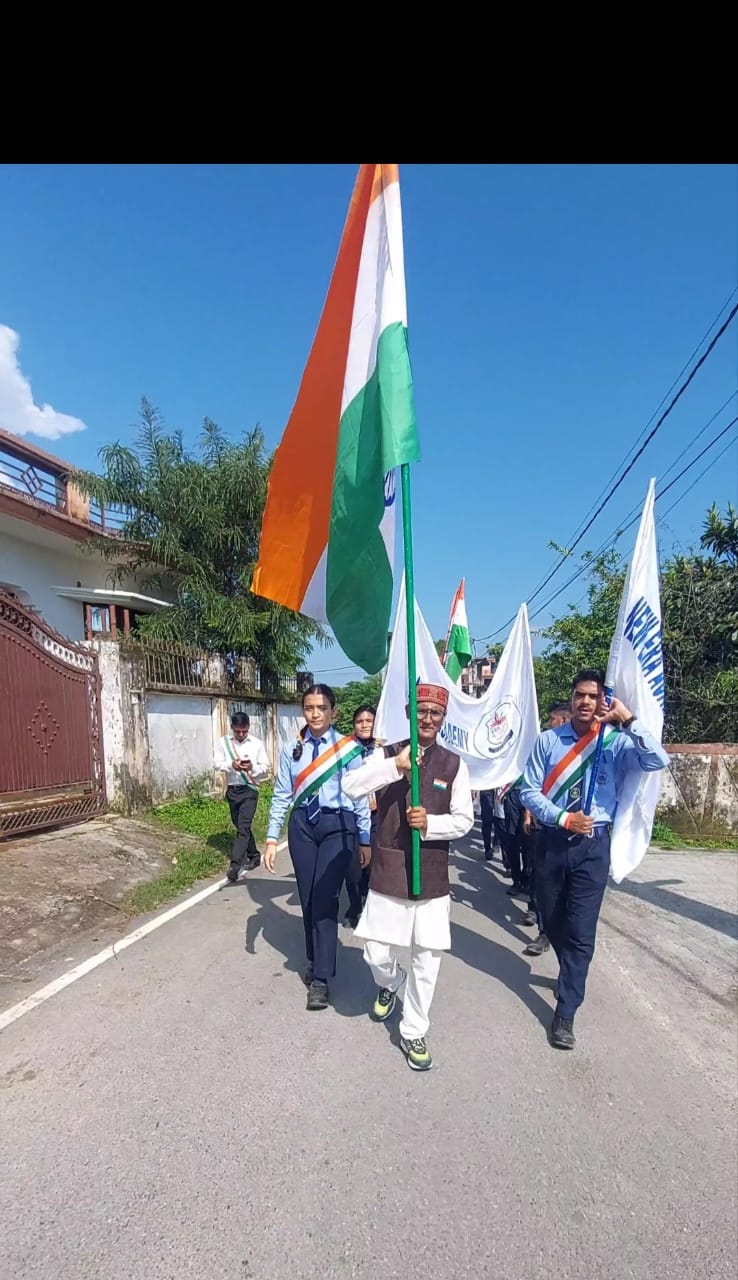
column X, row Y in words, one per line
column 457, row 653
column 327, row 544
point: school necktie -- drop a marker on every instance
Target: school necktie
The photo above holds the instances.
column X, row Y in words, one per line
column 313, row 804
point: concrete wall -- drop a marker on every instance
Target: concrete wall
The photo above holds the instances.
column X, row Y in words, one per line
column 156, row 744
column 276, row 723
column 125, row 729
column 183, row 729
column 699, row 793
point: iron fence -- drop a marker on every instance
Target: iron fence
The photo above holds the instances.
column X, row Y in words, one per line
column 177, row 668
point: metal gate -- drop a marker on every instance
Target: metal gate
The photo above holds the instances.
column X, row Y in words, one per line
column 51, row 757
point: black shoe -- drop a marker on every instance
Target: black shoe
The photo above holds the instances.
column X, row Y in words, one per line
column 537, row 946
column 233, row 871
column 530, row 918
column 307, row 976
column 562, row 1032
column 318, row 995
column 515, row 890
column 254, row 862
column 488, row 855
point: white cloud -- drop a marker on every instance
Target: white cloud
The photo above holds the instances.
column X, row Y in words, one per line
column 18, row 413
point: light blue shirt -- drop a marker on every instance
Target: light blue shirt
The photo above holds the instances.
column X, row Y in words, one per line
column 632, row 748
column 331, row 794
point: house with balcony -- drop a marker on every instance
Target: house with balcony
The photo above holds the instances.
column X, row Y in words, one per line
column 47, row 556
column 477, row 677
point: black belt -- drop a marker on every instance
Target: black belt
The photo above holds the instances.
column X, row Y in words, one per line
column 323, row 809
column 599, row 829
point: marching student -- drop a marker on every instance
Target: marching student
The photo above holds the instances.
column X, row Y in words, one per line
column 558, row 713
column 357, row 876
column 573, row 858
column 324, row 826
column 244, row 760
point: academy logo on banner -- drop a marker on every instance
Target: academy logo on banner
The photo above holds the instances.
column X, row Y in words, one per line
column 493, row 734
column 499, row 730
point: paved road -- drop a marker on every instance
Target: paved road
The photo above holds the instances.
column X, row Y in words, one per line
column 178, row 1114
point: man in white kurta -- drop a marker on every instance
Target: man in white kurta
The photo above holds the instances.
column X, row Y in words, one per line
column 392, row 918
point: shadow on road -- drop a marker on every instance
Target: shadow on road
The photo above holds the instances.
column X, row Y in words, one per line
column 654, row 892
column 484, row 891
column 351, row 989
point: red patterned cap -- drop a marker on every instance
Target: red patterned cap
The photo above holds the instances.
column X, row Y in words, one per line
column 433, row 693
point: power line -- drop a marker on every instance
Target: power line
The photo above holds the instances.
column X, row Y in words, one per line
column 703, row 472
column 625, row 472
column 662, row 517
column 682, row 371
column 614, row 537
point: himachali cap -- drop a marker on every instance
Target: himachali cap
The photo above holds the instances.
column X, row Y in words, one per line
column 433, row 693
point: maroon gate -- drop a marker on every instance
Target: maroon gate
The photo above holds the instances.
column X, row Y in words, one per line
column 51, row 759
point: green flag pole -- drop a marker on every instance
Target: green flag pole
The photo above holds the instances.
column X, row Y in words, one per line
column 407, row 537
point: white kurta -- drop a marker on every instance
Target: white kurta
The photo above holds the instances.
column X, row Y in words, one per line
column 425, row 922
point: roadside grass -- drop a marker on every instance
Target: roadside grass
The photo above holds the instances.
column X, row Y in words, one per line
column 664, row 837
column 209, row 821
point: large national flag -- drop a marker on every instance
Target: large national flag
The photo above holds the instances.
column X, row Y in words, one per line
column 327, row 544
column 635, row 672
column 494, row 734
column 458, row 651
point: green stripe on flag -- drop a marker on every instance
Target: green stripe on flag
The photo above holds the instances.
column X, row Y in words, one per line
column 458, row 652
column 377, row 433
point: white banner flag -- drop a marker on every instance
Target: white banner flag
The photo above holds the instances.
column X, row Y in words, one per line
column 635, row 673
column 493, row 734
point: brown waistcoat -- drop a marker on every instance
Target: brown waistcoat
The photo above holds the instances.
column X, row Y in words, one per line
column 391, row 865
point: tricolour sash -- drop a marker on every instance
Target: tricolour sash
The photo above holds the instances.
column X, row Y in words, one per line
column 311, row 778
column 246, row 782
column 570, row 769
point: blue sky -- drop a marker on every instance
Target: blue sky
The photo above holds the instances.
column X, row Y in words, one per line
column 551, row 307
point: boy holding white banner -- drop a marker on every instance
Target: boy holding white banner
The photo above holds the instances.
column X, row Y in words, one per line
column 573, row 858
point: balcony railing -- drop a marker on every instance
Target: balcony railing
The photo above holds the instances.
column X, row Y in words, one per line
column 30, row 478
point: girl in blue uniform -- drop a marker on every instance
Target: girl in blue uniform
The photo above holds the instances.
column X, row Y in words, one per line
column 322, row 831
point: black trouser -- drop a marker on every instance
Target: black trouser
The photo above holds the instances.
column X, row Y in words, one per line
column 321, row 853
column 487, row 814
column 571, row 878
column 357, row 877
column 531, row 842
column 514, row 836
column 242, row 804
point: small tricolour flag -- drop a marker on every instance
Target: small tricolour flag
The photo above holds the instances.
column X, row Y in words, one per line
column 327, row 539
column 458, row 651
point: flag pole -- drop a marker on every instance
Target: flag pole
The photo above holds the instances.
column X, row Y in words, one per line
column 407, row 538
column 597, row 757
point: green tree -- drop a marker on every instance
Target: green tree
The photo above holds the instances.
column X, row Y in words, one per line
column 351, row 696
column 699, row 604
column 700, row 625
column 720, row 534
column 194, row 519
column 581, row 638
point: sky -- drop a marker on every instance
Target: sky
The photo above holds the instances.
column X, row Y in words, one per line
column 550, row 310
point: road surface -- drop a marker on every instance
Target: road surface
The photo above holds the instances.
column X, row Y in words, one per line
column 177, row 1112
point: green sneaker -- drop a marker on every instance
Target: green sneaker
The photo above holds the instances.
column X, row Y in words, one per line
column 385, row 1001
column 416, row 1052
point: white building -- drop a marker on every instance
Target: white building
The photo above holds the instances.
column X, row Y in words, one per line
column 46, row 561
